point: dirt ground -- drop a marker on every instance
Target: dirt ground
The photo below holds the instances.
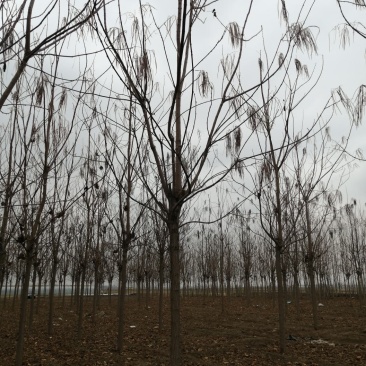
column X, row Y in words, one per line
column 245, row 334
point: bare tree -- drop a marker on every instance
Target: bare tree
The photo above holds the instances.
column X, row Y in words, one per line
column 352, row 236
column 21, row 40
column 276, row 179
column 161, row 239
column 325, row 166
column 120, row 156
column 42, row 144
column 27, row 38
column 181, row 147
column 356, row 105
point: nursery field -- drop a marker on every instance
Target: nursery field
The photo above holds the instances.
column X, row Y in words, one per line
column 245, row 334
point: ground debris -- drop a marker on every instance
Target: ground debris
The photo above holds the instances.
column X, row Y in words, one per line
column 242, row 335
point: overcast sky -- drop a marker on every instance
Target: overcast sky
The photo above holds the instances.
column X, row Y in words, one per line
column 341, row 67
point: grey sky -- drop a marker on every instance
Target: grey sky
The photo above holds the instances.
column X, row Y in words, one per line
column 341, row 67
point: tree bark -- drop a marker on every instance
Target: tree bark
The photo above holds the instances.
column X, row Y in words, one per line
column 51, row 295
column 33, row 293
column 174, row 249
column 161, row 289
column 280, row 299
column 122, row 298
column 23, row 305
column 310, row 265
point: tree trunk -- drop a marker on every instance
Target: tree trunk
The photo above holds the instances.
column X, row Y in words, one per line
column 273, row 286
column 161, row 289
column 77, row 291
column 310, row 265
column 23, row 307
column 122, row 298
column 285, row 295
column 360, row 286
column 175, row 341
column 281, row 300
column 81, row 302
column 31, row 311
column 247, row 293
column 6, row 278
column 228, row 286
column 297, row 291
column 2, row 278
column 16, row 290
column 147, row 294
column 51, row 296
column 64, row 291
column 96, row 290
column 40, row 275
column 222, row 272
column 110, row 291
column 45, row 287
column 139, row 279
column 296, row 280
column 313, row 295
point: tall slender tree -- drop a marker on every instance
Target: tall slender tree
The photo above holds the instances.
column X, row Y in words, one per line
column 184, row 128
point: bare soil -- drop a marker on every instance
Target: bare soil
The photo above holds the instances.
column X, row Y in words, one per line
column 245, row 334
